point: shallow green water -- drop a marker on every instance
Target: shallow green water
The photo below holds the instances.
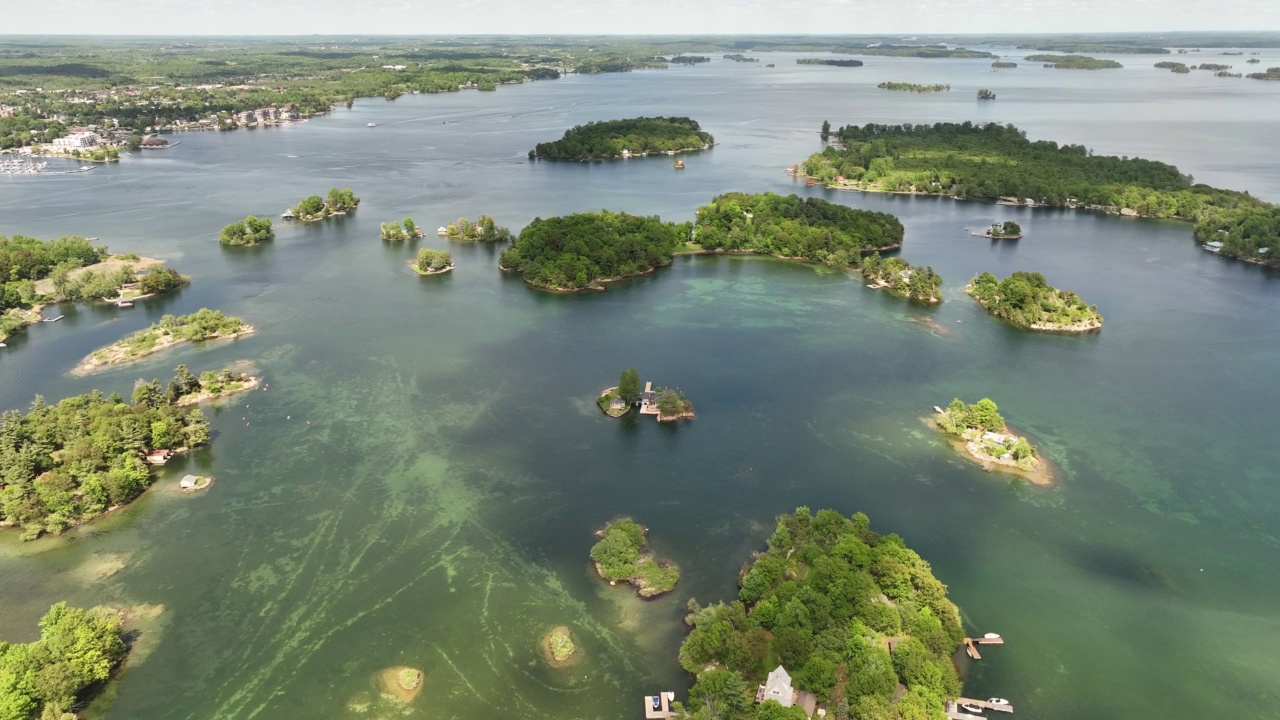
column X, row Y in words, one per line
column 438, row 508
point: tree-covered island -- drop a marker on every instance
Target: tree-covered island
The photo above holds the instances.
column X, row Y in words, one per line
column 187, row 389
column 1174, row 67
column 49, row 677
column 202, row 325
column 970, row 162
column 620, row 557
column 613, row 139
column 739, row 57
column 985, row 94
column 988, row 440
column 247, row 233
column 899, row 277
column 582, row 251
column 483, row 230
column 1008, row 230
column 833, row 613
column 1004, row 65
column 1272, row 73
column 338, row 202
column 1026, row 300
column 828, row 61
column 432, row 262
column 399, row 232
column 788, row 226
column 913, row 87
column 1074, row 62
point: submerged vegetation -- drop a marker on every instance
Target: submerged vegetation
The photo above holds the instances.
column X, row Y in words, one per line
column 580, row 251
column 1026, row 300
column 620, row 557
column 856, row 618
column 622, row 138
column 913, row 87
column 913, row 282
column 248, row 232
column 791, row 227
column 45, row 679
column 483, row 230
column 1074, row 62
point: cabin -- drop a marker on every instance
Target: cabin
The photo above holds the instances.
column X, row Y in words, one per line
column 189, row 482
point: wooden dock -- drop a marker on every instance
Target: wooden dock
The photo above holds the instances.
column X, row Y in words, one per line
column 979, row 703
column 971, row 645
column 664, row 704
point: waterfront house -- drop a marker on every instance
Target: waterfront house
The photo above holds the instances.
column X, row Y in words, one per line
column 159, row 457
column 777, row 687
column 648, row 400
column 188, row 482
column 1214, row 246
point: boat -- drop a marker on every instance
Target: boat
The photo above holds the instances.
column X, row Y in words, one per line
column 992, row 636
column 441, row 231
column 124, row 304
column 287, row 215
column 679, row 165
column 372, row 125
column 970, row 708
column 997, row 701
column 671, row 152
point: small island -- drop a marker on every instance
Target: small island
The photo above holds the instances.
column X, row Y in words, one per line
column 557, row 646
column 401, row 683
column 1272, row 73
column 1004, row 65
column 985, row 94
column 901, row 278
column 187, row 389
column 913, row 87
column 247, row 233
column 621, row 139
column 1008, row 230
column 666, row 404
column 987, row 440
column 827, row 61
column 617, row 400
column 689, row 59
column 1026, row 300
column 484, row 230
column 399, row 232
column 1214, row 67
column 739, row 57
column 314, row 208
column 1074, row 62
column 48, row 678
column 583, row 251
column 619, row 557
column 1175, row 67
column 202, row 325
column 432, row 262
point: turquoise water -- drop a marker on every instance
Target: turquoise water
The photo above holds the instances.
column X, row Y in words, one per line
column 437, row 510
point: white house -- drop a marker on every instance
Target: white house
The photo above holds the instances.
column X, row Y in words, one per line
column 77, row 140
column 777, row 687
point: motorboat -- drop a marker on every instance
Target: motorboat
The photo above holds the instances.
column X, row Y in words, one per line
column 992, row 636
column 997, row 701
column 373, row 125
column 973, row 709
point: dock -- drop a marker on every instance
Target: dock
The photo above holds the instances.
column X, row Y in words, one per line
column 664, row 705
column 971, row 645
column 953, row 708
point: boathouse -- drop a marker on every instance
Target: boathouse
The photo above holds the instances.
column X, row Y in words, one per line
column 188, row 482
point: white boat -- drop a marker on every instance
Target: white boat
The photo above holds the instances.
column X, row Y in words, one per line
column 997, row 701
column 974, row 709
column 373, row 124
column 992, row 636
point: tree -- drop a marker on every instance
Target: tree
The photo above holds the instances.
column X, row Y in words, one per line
column 629, row 386
column 722, row 692
column 984, row 415
column 826, row 130
column 187, row 383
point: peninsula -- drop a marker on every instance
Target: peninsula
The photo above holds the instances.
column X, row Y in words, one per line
column 247, row 233
column 66, row 463
column 1026, row 300
column 831, row 613
column 572, row 253
column 48, row 678
column 1074, row 62
column 794, row 228
column 969, row 162
column 204, row 324
column 432, row 262
column 484, row 230
column 311, row 209
column 620, row 139
column 987, row 440
column 399, row 232
column 620, row 557
column 913, row 87
column 901, row 278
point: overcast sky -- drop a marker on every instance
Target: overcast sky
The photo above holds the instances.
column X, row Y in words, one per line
column 449, row 17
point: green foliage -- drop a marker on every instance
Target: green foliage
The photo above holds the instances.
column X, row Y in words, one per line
column 825, row 61
column 250, row 231
column 203, row 324
column 318, row 208
column 485, row 230
column 914, row 282
column 985, row 94
column 430, row 261
column 1271, row 74
column 619, row 557
column 160, row 280
column 607, row 139
column 672, row 404
column 913, row 87
column 722, row 693
column 393, row 231
column 789, row 226
column 629, row 386
column 739, row 57
column 575, row 252
column 804, row 603
column 1074, row 62
column 984, row 415
column 1175, row 67
column 1026, row 300
column 76, row 649
column 1004, row 65
column 24, row 260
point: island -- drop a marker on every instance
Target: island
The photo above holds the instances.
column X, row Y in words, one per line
column 401, row 683
column 621, row 139
column 689, row 59
column 187, row 389
column 913, row 87
column 485, row 230
column 38, row 272
column 1253, row 61
column 557, row 646
column 583, row 251
column 1008, row 230
column 982, row 432
column 1215, row 67
column 1004, row 65
column 985, row 94
column 1026, row 300
column 314, row 208
column 399, row 232
column 829, row 612
column 1175, row 67
column 794, row 228
column 970, row 161
column 1074, row 62
column 66, row 463
column 432, row 262
column 48, row 678
column 617, row 400
column 1272, row 73
column 619, row 557
column 247, row 233
column 202, row 325
column 827, row 61
column 901, row 278
column 739, row 57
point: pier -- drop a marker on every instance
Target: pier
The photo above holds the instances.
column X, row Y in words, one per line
column 971, row 644
column 663, row 701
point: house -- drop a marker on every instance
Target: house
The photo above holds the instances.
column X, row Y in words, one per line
column 777, row 687
column 649, row 400
column 1214, row 246
column 248, row 117
column 159, row 457
column 188, row 482
column 154, row 141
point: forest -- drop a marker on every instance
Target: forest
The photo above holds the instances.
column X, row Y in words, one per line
column 610, row 138
column 1074, row 62
column 248, row 232
column 976, row 161
column 849, row 613
column 914, row 282
column 1026, row 300
column 45, row 678
column 576, row 252
column 63, row 464
column 791, row 227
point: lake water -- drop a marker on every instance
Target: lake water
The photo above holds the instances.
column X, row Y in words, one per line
column 420, row 482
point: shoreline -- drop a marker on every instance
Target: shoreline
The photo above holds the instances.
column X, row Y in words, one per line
column 1041, row 476
column 428, row 273
column 1055, row 329
column 91, row 364
column 548, row 652
column 629, row 156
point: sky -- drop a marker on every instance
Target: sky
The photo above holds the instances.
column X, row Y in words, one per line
column 455, row 17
